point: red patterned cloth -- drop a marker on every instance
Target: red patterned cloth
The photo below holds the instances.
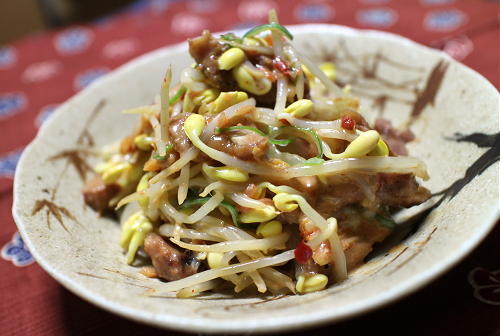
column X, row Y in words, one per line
column 42, row 71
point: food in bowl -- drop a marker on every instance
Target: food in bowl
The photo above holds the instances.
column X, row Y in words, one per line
column 256, row 171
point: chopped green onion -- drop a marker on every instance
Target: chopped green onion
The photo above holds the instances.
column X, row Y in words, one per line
column 236, row 128
column 269, row 26
column 231, row 37
column 313, row 161
column 319, row 143
column 202, row 200
column 168, row 148
column 189, row 203
column 279, row 142
column 307, row 131
column 232, row 210
column 177, row 95
column 384, row 221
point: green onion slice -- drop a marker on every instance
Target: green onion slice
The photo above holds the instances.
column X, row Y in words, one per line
column 309, row 133
column 384, row 221
column 281, row 142
column 189, row 203
column 313, row 161
column 168, row 148
column 278, row 142
column 236, row 128
column 231, row 37
column 202, row 200
column 269, row 26
column 177, row 95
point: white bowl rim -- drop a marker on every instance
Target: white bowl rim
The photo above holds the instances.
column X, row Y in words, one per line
column 403, row 289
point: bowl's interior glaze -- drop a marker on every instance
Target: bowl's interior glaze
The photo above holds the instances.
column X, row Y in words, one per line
column 396, row 78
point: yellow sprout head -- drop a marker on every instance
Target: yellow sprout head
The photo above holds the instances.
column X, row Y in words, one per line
column 285, row 202
column 329, row 69
column 300, row 108
column 114, row 172
column 134, row 232
column 362, row 145
column 206, row 97
column 143, row 185
column 269, row 229
column 248, row 83
column 231, row 58
column 193, row 126
column 380, row 150
column 214, row 259
column 227, row 99
column 311, row 284
column 143, row 142
column 365, row 143
column 225, row 173
column 260, row 215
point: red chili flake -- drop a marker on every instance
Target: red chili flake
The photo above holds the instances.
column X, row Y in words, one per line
column 281, row 66
column 348, row 123
column 303, row 253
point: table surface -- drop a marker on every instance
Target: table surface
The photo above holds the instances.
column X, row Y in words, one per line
column 40, row 72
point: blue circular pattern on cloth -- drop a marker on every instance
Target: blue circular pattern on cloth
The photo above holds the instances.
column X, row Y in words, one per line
column 17, row 252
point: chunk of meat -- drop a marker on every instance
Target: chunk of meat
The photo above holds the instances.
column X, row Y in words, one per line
column 401, row 190
column 358, row 240
column 205, row 49
column 307, row 269
column 334, row 197
column 240, row 116
column 170, row 263
column 266, row 100
column 336, row 145
column 178, row 137
column 395, row 190
column 303, row 148
column 243, row 144
column 97, row 194
column 398, row 190
column 291, row 217
column 308, row 184
column 396, row 140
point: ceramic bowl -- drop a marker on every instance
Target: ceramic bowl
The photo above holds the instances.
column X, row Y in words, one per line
column 452, row 110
